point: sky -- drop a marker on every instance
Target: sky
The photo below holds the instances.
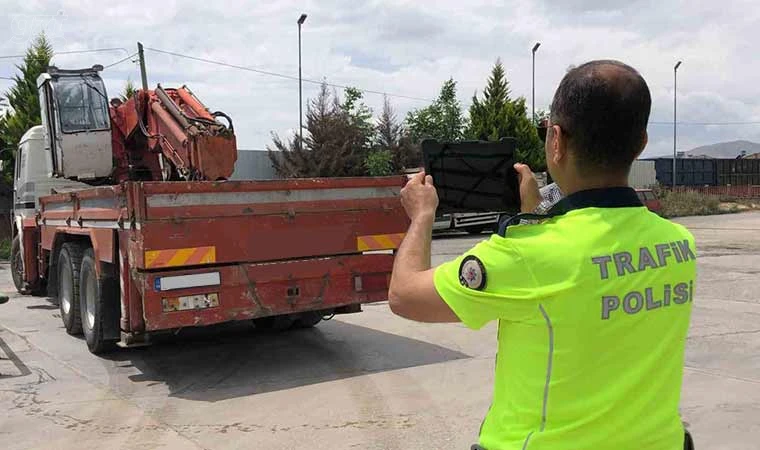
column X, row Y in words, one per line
column 407, row 49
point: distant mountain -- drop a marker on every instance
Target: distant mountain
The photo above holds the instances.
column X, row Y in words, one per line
column 730, row 149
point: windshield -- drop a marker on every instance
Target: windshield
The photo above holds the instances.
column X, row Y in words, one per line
column 81, row 103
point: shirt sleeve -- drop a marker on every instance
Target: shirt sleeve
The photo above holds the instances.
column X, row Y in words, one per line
column 510, row 291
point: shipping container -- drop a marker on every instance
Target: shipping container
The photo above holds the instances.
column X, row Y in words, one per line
column 689, row 172
column 738, row 172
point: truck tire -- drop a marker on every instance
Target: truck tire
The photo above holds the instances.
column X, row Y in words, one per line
column 17, row 267
column 274, row 323
column 69, row 265
column 308, row 319
column 96, row 296
column 475, row 229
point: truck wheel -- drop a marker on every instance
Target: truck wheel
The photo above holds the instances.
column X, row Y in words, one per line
column 17, row 268
column 475, row 230
column 308, row 319
column 94, row 297
column 274, row 323
column 69, row 264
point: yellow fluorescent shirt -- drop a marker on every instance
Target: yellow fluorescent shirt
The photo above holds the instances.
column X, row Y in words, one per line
column 593, row 309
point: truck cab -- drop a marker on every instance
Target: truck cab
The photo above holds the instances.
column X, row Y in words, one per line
column 73, row 144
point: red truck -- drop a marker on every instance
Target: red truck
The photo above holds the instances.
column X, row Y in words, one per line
column 146, row 235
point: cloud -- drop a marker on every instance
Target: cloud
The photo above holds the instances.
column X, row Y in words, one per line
column 410, row 48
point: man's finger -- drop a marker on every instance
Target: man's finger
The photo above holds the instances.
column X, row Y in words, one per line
column 429, row 180
column 523, row 170
column 417, row 178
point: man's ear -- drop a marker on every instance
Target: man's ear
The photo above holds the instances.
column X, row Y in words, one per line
column 558, row 145
column 644, row 143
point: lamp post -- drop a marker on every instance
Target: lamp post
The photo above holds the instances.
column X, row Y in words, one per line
column 535, row 47
column 675, row 88
column 301, row 20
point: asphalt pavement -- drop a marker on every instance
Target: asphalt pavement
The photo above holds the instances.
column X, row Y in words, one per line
column 362, row 381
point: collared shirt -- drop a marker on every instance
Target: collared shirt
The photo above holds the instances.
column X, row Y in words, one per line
column 593, row 307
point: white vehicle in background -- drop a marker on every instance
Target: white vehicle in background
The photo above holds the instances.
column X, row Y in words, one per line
column 473, row 223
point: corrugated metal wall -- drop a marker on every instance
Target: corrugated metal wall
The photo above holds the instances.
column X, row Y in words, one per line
column 642, row 175
column 253, row 165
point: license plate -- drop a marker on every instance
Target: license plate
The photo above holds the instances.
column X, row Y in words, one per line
column 188, row 302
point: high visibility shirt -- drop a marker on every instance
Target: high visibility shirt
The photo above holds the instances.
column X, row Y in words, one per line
column 593, row 307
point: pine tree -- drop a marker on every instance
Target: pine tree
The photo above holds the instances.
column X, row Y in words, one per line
column 392, row 137
column 442, row 120
column 23, row 99
column 337, row 142
column 497, row 116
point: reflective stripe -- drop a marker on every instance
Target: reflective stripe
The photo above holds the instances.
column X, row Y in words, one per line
column 379, row 241
column 548, row 365
column 548, row 376
column 179, row 257
column 527, row 439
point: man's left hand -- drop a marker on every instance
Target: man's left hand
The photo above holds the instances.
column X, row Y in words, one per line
column 420, row 198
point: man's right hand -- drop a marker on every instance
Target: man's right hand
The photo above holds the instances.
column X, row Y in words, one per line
column 530, row 197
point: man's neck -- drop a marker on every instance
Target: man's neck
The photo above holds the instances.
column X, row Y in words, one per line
column 577, row 185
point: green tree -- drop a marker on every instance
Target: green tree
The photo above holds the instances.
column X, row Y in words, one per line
column 337, row 142
column 359, row 119
column 392, row 137
column 24, row 100
column 497, row 115
column 379, row 163
column 442, row 120
column 129, row 90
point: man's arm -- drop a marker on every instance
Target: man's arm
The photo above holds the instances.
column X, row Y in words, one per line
column 412, row 292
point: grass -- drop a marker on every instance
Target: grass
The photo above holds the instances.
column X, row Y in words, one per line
column 689, row 203
column 5, row 249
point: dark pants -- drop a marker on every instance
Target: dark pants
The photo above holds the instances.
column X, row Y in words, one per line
column 688, row 443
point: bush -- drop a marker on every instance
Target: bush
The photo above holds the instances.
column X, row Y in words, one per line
column 378, row 163
column 688, row 203
column 5, row 249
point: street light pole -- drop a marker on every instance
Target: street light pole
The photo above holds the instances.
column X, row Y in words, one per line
column 535, row 47
column 675, row 92
column 301, row 20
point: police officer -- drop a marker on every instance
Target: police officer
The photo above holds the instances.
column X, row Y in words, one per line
column 592, row 303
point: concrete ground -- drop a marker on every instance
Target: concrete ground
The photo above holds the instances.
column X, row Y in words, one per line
column 369, row 381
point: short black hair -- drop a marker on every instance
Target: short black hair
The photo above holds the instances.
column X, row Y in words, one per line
column 603, row 107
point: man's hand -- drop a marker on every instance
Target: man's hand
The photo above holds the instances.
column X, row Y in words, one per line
column 530, row 197
column 420, row 198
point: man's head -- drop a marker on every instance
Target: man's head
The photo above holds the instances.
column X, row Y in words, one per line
column 598, row 124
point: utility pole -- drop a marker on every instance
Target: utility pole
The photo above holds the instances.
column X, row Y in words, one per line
column 301, row 20
column 143, row 74
column 535, row 47
column 675, row 103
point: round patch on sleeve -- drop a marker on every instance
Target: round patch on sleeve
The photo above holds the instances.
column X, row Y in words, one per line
column 472, row 273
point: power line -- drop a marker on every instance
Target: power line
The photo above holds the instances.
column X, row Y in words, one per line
column 120, row 61
column 707, row 123
column 281, row 75
column 73, row 52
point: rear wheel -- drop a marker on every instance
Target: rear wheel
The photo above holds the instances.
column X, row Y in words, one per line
column 308, row 319
column 475, row 230
column 274, row 323
column 69, row 265
column 95, row 295
column 17, row 267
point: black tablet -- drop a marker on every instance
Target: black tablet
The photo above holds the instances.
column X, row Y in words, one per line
column 473, row 176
